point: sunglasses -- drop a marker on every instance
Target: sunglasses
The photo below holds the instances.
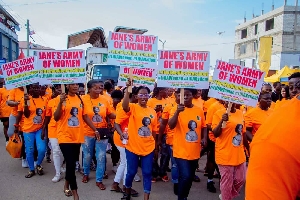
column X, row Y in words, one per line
column 143, row 95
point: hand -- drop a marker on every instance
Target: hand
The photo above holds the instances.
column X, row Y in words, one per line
column 26, row 97
column 63, row 97
column 129, row 82
column 124, row 136
column 180, row 108
column 97, row 135
column 158, row 109
column 225, row 117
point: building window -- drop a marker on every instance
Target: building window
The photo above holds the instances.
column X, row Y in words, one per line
column 34, row 53
column 243, row 49
column 5, row 52
column 242, row 63
column 14, row 55
column 244, row 34
column 270, row 24
column 255, row 29
column 255, row 45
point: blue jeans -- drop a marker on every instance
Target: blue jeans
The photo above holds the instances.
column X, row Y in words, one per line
column 186, row 169
column 88, row 148
column 132, row 167
column 174, row 169
column 29, row 147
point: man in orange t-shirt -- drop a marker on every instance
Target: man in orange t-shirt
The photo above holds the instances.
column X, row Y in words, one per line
column 5, row 110
column 275, row 150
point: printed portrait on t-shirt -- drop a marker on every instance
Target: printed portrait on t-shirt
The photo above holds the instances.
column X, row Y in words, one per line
column 237, row 139
column 144, row 131
column 192, row 136
column 73, row 120
column 96, row 117
column 38, row 118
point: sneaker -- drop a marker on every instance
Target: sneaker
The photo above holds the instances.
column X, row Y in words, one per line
column 220, row 196
column 63, row 170
column 137, row 178
column 211, row 187
column 56, row 178
column 114, row 169
column 165, row 178
column 24, row 163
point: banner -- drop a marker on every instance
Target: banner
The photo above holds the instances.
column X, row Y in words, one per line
column 21, row 72
column 145, row 77
column 62, row 67
column 183, row 69
column 236, row 84
column 265, row 52
column 132, row 50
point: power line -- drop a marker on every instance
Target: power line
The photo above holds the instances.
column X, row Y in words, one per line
column 24, row 22
column 42, row 3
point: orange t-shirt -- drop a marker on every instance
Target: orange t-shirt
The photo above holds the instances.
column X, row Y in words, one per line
column 70, row 125
column 15, row 95
column 51, row 108
column 142, row 122
column 198, row 102
column 209, row 117
column 229, row 148
column 187, row 133
column 5, row 109
column 153, row 102
column 273, row 171
column 166, row 115
column 121, row 115
column 37, row 108
column 97, row 111
column 256, row 117
column 170, row 99
column 278, row 103
column 208, row 103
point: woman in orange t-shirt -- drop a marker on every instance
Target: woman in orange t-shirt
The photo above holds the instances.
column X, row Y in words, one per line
column 229, row 150
column 189, row 126
column 142, row 129
column 256, row 116
column 158, row 101
column 34, row 115
column 70, row 132
column 98, row 112
column 285, row 95
column 50, row 128
column 5, row 110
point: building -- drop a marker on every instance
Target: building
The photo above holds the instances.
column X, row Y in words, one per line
column 32, row 48
column 9, row 49
column 280, row 24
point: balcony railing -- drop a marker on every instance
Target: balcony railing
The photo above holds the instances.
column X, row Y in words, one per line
column 8, row 31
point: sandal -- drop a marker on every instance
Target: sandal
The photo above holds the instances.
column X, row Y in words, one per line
column 85, row 178
column 39, row 170
column 116, row 188
column 30, row 174
column 68, row 193
column 134, row 193
column 100, row 185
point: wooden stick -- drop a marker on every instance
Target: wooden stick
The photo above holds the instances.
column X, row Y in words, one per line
column 130, row 78
column 227, row 111
column 26, row 92
column 63, row 90
column 182, row 96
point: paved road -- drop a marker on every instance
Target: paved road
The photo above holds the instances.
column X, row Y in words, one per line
column 14, row 186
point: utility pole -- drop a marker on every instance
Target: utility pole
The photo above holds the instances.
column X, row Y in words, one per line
column 163, row 43
column 295, row 26
column 28, row 33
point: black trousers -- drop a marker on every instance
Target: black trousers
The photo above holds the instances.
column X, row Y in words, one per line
column 211, row 162
column 115, row 154
column 70, row 152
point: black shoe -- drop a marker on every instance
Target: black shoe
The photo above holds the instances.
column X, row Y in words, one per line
column 175, row 188
column 211, row 187
column 126, row 197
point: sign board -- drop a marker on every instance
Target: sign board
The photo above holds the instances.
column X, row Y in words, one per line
column 236, row 84
column 62, row 66
column 20, row 72
column 183, row 69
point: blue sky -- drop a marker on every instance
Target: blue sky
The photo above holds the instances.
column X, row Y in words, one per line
column 184, row 24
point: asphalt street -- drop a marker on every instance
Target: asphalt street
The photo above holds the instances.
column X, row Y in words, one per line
column 14, row 186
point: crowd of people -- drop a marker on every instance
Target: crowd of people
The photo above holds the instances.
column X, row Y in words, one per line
column 151, row 129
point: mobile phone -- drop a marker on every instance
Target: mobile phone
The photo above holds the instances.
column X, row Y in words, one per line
column 159, row 106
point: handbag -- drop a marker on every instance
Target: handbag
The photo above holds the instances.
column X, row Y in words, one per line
column 104, row 133
column 14, row 146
